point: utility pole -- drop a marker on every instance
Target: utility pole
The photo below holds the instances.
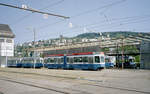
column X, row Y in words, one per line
column 122, row 54
column 34, row 48
column 117, row 56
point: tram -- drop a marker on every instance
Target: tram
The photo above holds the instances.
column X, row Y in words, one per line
column 110, row 61
column 31, row 62
column 14, row 62
column 84, row 61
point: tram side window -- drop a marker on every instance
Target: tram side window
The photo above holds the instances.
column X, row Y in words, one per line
column 62, row 60
column 68, row 60
column 97, row 59
column 55, row 60
column 59, row 60
column 51, row 60
column 77, row 59
column 18, row 61
column 85, row 59
column 107, row 60
column 38, row 61
column 71, row 60
column 90, row 60
column 102, row 59
column 47, row 60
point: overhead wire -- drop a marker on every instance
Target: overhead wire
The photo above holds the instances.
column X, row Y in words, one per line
column 29, row 14
column 83, row 13
column 105, row 7
column 114, row 25
column 116, row 20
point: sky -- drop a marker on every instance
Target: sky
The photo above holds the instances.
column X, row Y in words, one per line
column 85, row 16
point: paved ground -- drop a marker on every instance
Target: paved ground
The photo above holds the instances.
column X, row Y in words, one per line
column 46, row 81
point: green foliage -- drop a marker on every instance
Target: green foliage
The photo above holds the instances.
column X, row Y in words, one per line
column 42, row 55
column 104, row 49
column 130, row 49
column 137, row 58
column 112, row 34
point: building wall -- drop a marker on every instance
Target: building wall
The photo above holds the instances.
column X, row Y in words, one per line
column 6, row 50
column 3, row 61
column 74, row 50
column 145, row 55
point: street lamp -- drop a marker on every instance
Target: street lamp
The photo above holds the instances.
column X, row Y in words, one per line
column 34, row 34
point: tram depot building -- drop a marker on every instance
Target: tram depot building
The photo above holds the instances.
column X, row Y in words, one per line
column 145, row 55
column 7, row 48
column 6, row 44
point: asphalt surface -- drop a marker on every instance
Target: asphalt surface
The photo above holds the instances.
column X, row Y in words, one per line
column 48, row 81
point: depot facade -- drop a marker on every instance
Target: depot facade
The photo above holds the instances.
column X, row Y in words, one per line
column 6, row 44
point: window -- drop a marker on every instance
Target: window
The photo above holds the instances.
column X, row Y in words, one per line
column 107, row 60
column 38, row 61
column 102, row 59
column 67, row 59
column 62, row 59
column 77, row 59
column 1, row 40
column 9, row 41
column 71, row 60
column 51, row 60
column 97, row 59
column 91, row 60
column 85, row 59
column 59, row 60
column 55, row 60
column 28, row 61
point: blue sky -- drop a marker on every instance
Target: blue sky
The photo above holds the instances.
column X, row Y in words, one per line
column 85, row 16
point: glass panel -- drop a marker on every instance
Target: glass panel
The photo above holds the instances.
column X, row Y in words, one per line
column 51, row 60
column 38, row 61
column 97, row 59
column 9, row 41
column 77, row 59
column 107, row 60
column 71, row 60
column 67, row 59
column 1, row 40
column 59, row 60
column 62, row 60
column 102, row 59
column 55, row 60
column 90, row 59
column 85, row 59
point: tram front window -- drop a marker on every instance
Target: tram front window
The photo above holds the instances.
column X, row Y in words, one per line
column 97, row 59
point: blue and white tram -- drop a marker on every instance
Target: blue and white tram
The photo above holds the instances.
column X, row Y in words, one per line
column 14, row 62
column 84, row 61
column 110, row 61
column 54, row 62
column 28, row 62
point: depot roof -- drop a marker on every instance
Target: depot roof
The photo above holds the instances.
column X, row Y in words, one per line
column 5, row 31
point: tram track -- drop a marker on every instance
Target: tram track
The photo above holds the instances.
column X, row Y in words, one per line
column 43, row 86
column 118, row 88
column 74, row 78
column 32, row 85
